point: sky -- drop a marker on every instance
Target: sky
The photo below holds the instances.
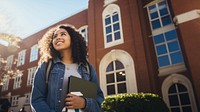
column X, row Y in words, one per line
column 25, row 17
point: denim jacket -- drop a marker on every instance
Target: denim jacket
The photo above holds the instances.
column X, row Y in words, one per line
column 48, row 100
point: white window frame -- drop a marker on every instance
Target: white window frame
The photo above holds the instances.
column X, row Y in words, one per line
column 126, row 59
column 172, row 68
column 84, row 34
column 15, row 100
column 9, row 62
column 34, row 53
column 108, row 11
column 5, row 85
column 17, row 82
column 21, row 58
column 178, row 78
column 31, row 72
column 27, row 98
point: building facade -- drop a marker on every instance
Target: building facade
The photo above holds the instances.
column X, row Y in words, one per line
column 134, row 45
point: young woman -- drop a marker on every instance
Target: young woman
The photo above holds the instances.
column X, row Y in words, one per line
column 68, row 52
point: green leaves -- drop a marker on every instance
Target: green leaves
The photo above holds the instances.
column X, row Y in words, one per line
column 134, row 102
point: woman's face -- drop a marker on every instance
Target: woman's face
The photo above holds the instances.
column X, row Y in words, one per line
column 61, row 40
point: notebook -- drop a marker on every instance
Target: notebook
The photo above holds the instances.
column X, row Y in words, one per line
column 87, row 88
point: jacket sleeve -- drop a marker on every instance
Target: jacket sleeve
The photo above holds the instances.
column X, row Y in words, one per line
column 94, row 105
column 39, row 92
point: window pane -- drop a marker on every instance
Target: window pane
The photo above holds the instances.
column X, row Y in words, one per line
column 173, row 100
column 187, row 109
column 161, row 49
column 110, row 67
column 185, row 100
column 154, row 15
column 163, row 61
column 172, row 89
column 170, row 35
column 115, row 17
column 108, row 29
column 121, row 76
column 163, row 12
column 153, row 12
column 117, row 35
column 155, row 24
column 109, row 38
column 176, row 57
column 166, row 20
column 111, row 89
column 110, row 78
column 158, row 39
column 119, row 65
column 121, row 88
column 108, row 21
column 116, row 26
column 173, row 46
column 181, row 88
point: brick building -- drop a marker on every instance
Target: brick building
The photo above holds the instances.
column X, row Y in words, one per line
column 135, row 46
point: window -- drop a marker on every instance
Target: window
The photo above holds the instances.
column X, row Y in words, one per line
column 179, row 98
column 31, row 72
column 27, row 98
column 84, row 32
column 159, row 15
column 34, row 53
column 167, row 49
column 15, row 100
column 178, row 93
column 164, row 34
column 21, row 58
column 117, row 73
column 115, row 78
column 112, row 26
column 17, row 82
column 5, row 85
column 9, row 62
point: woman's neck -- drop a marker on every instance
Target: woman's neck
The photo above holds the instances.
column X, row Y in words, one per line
column 67, row 57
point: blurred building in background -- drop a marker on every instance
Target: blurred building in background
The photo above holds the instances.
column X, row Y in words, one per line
column 135, row 46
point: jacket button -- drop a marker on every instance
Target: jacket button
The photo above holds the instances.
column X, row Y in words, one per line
column 59, row 101
column 60, row 89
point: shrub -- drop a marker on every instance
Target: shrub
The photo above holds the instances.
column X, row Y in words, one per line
column 134, row 102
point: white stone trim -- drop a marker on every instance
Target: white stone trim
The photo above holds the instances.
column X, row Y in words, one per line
column 187, row 16
column 172, row 69
column 128, row 63
column 178, row 78
column 106, row 2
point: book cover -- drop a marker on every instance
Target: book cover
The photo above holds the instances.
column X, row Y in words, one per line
column 87, row 88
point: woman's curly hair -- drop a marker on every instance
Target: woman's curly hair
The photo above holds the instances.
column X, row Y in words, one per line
column 79, row 49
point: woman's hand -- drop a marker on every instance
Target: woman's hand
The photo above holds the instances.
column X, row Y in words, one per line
column 74, row 102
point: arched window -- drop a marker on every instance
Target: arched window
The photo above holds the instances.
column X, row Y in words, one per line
column 84, row 32
column 115, row 78
column 179, row 99
column 178, row 94
column 113, row 34
column 117, row 73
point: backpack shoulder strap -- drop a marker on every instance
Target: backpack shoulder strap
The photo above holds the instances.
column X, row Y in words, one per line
column 49, row 64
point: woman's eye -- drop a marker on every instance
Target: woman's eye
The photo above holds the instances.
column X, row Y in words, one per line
column 63, row 34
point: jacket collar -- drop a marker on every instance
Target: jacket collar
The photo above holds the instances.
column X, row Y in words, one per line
column 57, row 60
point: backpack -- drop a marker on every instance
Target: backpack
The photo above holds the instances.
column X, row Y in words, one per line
column 50, row 65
